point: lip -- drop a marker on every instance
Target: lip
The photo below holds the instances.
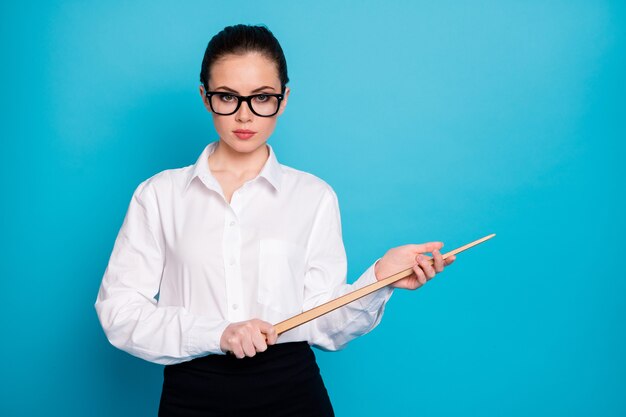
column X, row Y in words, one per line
column 244, row 133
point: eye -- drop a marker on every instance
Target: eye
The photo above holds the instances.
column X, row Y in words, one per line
column 261, row 98
column 227, row 97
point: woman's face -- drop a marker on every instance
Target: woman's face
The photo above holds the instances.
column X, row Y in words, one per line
column 244, row 75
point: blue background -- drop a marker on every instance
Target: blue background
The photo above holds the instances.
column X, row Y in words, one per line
column 443, row 121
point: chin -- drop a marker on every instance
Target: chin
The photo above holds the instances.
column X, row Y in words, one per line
column 245, row 146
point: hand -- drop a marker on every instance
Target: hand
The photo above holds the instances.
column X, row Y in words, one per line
column 407, row 256
column 246, row 338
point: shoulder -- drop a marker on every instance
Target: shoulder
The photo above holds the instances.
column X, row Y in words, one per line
column 298, row 181
column 166, row 182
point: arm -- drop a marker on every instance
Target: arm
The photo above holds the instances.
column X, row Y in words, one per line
column 325, row 280
column 126, row 304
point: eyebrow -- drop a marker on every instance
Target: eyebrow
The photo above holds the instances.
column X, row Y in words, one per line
column 223, row 87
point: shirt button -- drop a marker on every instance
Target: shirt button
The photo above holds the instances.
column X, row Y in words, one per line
column 235, row 306
column 232, row 223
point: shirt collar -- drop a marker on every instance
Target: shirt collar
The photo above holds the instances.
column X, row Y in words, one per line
column 271, row 171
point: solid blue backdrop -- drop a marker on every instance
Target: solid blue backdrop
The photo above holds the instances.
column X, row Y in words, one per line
column 432, row 121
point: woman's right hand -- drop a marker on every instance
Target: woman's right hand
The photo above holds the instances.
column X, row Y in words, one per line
column 246, row 338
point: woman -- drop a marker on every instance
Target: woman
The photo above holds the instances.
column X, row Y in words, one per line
column 210, row 255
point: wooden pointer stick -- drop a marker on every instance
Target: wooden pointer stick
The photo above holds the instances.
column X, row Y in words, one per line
column 318, row 311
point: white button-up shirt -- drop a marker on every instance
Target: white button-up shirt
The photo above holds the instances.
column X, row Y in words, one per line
column 186, row 263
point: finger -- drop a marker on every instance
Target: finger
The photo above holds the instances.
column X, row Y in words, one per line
column 272, row 336
column 410, row 283
column 413, row 283
column 449, row 260
column 248, row 348
column 424, row 263
column 258, row 339
column 247, row 345
column 237, row 350
column 269, row 331
column 438, row 261
column 421, row 278
column 427, row 247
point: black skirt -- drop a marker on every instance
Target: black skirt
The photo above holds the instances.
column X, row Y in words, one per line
column 282, row 381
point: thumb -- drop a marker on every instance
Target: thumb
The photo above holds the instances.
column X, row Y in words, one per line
column 269, row 330
column 427, row 247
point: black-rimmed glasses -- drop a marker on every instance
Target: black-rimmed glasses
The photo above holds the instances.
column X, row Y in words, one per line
column 224, row 104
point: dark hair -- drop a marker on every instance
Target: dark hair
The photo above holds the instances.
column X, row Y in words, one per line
column 240, row 39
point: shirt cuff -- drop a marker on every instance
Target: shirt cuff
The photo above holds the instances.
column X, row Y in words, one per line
column 374, row 301
column 204, row 338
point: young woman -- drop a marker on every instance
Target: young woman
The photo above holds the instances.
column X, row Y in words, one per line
column 210, row 255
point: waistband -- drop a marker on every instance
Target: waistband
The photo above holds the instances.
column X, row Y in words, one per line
column 280, row 355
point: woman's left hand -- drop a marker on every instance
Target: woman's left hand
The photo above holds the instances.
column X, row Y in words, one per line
column 402, row 257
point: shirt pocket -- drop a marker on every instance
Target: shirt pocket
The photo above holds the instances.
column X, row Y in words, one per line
column 281, row 275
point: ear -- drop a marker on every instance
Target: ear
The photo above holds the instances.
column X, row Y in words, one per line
column 283, row 103
column 205, row 100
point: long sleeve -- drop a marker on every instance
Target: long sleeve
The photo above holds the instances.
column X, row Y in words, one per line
column 126, row 303
column 325, row 280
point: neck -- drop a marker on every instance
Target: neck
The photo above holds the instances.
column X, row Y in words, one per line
column 225, row 158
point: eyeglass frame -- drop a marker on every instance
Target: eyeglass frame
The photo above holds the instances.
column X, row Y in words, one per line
column 241, row 99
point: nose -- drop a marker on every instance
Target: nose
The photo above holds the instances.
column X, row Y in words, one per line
column 244, row 114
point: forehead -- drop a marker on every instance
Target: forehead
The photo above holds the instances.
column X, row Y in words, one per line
column 244, row 72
